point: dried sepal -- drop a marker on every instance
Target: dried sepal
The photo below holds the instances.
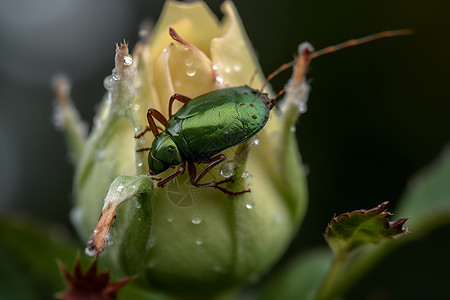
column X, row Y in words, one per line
column 89, row 285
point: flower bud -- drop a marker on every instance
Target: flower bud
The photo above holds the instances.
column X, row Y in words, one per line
column 181, row 238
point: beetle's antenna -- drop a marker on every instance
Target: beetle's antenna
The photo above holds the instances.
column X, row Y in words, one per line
column 306, row 54
column 253, row 77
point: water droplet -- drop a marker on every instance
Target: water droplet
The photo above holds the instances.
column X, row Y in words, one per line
column 95, row 231
column 237, row 67
column 100, row 154
column 198, row 242
column 255, row 142
column 189, row 61
column 139, row 219
column 115, row 75
column 278, row 218
column 150, row 243
column 217, row 268
column 191, row 71
column 215, row 67
column 170, row 219
column 108, row 83
column 140, row 164
column 90, row 251
column 293, row 128
column 120, row 188
column 249, row 205
column 108, row 240
column 127, row 60
column 196, row 219
column 302, row 107
column 227, row 70
column 177, row 83
column 138, row 204
column 246, row 175
column 219, row 80
column 228, row 169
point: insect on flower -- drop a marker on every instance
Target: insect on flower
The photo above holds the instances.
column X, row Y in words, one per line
column 210, row 123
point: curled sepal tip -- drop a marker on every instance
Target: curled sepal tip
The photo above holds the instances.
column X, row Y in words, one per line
column 121, row 189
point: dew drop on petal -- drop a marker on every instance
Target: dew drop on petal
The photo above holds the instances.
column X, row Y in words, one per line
column 255, row 142
column 150, row 243
column 219, row 80
column 90, row 251
column 249, row 205
column 215, row 67
column 278, row 218
column 246, row 175
column 188, row 61
column 127, row 60
column 228, row 169
column 237, row 67
column 120, row 188
column 115, row 75
column 196, row 219
column 108, row 240
column 191, row 71
column 302, row 107
column 108, row 83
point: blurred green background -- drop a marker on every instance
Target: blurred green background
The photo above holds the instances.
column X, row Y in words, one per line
column 378, row 113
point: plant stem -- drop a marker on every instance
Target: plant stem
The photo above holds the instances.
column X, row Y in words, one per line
column 328, row 288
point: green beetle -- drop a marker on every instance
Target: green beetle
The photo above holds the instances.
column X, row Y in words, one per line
column 210, row 123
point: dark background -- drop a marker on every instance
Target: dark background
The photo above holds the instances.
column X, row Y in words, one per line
column 378, row 113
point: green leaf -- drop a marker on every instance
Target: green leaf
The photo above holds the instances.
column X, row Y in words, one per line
column 355, row 229
column 300, row 279
column 427, row 197
column 28, row 254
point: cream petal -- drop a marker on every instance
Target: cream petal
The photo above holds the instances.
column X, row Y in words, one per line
column 233, row 54
column 193, row 21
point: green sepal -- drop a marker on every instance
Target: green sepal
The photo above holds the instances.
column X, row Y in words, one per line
column 352, row 230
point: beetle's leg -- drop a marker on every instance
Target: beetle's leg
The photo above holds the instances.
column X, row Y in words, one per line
column 179, row 171
column 214, row 161
column 178, row 97
column 153, row 114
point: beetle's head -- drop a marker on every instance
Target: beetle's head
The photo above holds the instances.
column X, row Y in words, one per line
column 164, row 154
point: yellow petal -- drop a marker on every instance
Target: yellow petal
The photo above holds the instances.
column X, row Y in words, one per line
column 193, row 21
column 232, row 53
